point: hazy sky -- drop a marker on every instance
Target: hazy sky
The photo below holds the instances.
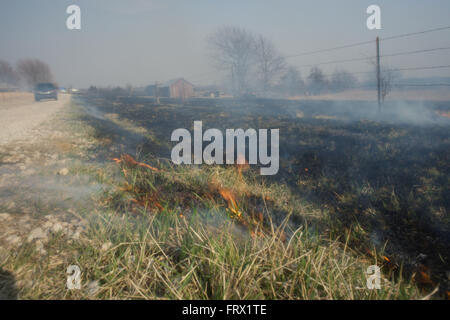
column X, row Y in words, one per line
column 138, row 41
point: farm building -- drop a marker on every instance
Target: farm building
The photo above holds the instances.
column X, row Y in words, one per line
column 178, row 89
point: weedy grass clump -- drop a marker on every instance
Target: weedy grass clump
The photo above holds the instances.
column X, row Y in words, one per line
column 168, row 256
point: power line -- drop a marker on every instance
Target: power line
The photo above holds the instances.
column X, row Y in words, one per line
column 366, row 42
column 419, row 68
column 401, row 69
column 329, row 49
column 397, row 69
column 372, row 57
column 422, row 85
column 414, row 52
column 414, row 33
column 361, row 59
column 334, row 62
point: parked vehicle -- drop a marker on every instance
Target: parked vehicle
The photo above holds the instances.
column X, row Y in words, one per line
column 45, row 91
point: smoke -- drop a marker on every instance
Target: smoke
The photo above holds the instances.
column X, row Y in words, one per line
column 93, row 112
column 395, row 112
column 125, row 139
column 45, row 193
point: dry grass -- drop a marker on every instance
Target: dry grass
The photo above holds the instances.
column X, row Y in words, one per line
column 166, row 256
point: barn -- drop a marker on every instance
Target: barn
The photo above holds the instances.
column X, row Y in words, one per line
column 177, row 88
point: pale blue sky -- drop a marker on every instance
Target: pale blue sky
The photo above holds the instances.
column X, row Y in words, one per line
column 138, row 42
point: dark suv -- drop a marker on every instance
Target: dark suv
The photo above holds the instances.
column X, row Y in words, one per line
column 45, row 91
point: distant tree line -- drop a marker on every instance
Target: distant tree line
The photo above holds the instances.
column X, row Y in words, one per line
column 253, row 63
column 27, row 72
column 113, row 92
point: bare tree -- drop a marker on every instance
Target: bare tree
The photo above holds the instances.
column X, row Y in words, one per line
column 34, row 71
column 269, row 63
column 233, row 50
column 387, row 78
column 291, row 82
column 317, row 80
column 342, row 80
column 8, row 76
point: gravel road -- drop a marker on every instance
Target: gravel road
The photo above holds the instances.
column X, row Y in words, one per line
column 17, row 121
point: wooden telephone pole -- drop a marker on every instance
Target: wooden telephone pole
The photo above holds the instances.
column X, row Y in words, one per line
column 378, row 74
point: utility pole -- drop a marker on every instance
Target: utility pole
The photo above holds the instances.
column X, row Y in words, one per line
column 378, row 74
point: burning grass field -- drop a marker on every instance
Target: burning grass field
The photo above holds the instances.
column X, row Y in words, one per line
column 355, row 188
column 376, row 183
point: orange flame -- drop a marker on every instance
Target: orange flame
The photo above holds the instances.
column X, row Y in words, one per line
column 147, row 202
column 228, row 196
column 425, row 278
column 232, row 204
column 129, row 160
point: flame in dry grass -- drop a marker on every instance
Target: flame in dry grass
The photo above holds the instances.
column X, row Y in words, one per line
column 253, row 219
column 149, row 201
column 146, row 201
column 233, row 208
column 129, row 161
column 423, row 277
column 386, row 261
column 252, row 222
column 253, row 226
column 229, row 195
